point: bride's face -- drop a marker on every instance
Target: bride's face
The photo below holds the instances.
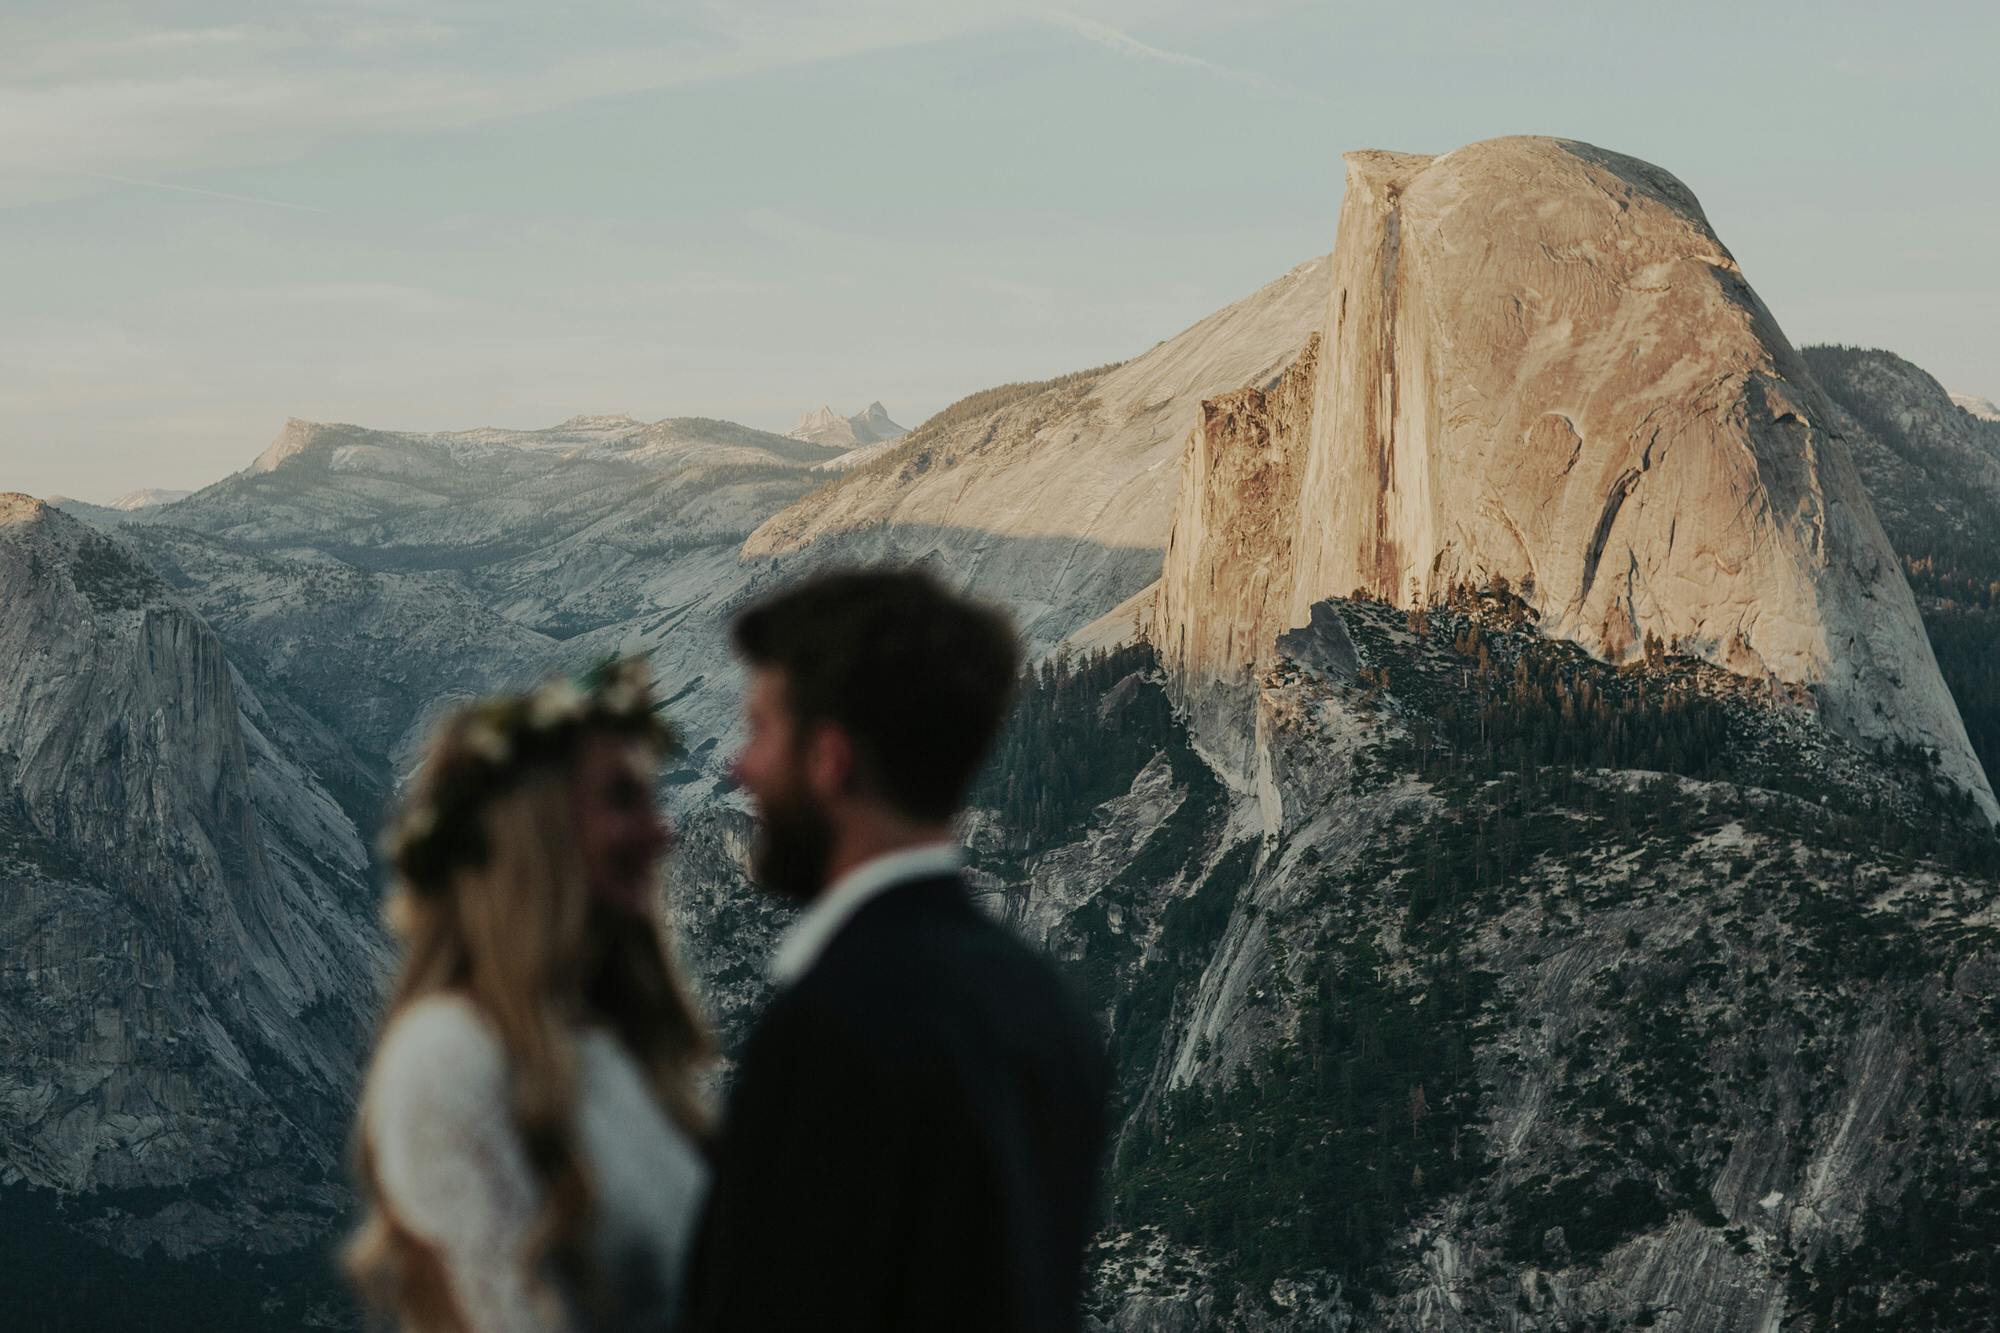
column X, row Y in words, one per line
column 620, row 830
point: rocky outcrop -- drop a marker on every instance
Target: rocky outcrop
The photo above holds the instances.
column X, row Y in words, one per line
column 1985, row 409
column 1054, row 498
column 871, row 425
column 1225, row 587
column 1932, row 470
column 378, row 653
column 1540, row 364
column 188, row 949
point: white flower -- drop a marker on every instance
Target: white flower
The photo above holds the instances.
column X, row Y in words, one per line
column 625, row 692
column 487, row 741
column 555, row 703
column 418, row 822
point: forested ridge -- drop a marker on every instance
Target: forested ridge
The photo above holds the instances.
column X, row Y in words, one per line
column 1698, row 829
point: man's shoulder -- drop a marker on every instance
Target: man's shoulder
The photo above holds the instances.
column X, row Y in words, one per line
column 925, row 932
column 925, row 961
column 934, row 1007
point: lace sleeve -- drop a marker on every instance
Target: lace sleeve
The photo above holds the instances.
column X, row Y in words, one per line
column 451, row 1167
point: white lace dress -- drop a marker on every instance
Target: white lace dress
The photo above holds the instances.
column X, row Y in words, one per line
column 453, row 1171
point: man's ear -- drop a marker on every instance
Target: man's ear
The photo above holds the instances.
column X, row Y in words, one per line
column 829, row 767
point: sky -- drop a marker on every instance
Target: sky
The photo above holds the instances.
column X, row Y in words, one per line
column 441, row 214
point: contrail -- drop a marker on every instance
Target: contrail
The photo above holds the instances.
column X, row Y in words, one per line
column 1126, row 44
column 184, row 189
column 1092, row 30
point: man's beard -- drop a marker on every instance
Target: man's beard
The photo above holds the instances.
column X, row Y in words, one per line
column 794, row 844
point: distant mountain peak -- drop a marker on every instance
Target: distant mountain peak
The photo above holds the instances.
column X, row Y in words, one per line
column 871, row 425
column 1983, row 408
column 18, row 508
column 146, row 497
column 816, row 419
column 298, row 438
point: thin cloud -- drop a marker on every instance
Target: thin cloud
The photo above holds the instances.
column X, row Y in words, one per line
column 184, row 189
column 142, row 105
column 1125, row 44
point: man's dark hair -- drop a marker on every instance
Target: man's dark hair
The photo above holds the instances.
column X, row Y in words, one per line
column 918, row 676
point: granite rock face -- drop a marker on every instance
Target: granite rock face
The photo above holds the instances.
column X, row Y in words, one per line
column 1053, row 499
column 1225, row 587
column 1932, row 468
column 1539, row 363
column 871, row 425
column 190, row 956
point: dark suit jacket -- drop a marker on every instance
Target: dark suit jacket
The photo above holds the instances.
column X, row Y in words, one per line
column 915, row 1137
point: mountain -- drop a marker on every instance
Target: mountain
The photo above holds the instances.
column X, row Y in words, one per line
column 146, row 497
column 191, row 943
column 388, row 574
column 1472, row 965
column 824, row 426
column 327, row 603
column 100, row 516
column 871, row 425
column 1983, row 408
column 114, row 513
column 1522, row 991
column 1582, row 950
column 1053, row 498
column 1933, row 473
column 1483, row 409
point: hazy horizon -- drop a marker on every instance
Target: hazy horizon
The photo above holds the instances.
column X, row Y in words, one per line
column 442, row 216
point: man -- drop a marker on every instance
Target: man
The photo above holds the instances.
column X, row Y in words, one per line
column 917, row 1124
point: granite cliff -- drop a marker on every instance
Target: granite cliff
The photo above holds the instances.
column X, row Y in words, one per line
column 871, row 425
column 1539, row 364
column 190, row 950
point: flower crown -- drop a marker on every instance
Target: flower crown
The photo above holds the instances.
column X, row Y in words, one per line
column 500, row 740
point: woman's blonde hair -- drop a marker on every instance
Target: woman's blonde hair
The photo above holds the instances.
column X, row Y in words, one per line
column 492, row 904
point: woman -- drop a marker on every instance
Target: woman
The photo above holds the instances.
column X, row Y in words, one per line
column 529, row 1128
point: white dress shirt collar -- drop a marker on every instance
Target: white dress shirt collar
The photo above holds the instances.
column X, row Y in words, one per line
column 807, row 937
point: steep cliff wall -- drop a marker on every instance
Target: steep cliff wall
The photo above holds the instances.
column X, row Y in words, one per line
column 1225, row 586
column 1539, row 362
column 188, row 954
column 1933, row 473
